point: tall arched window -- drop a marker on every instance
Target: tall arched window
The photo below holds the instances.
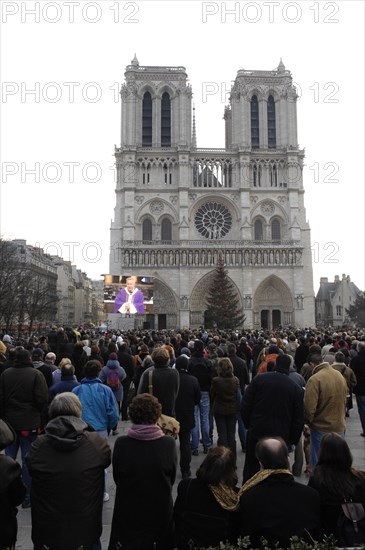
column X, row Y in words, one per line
column 147, row 120
column 166, row 230
column 147, row 230
column 271, row 123
column 275, row 230
column 259, row 234
column 165, row 120
column 255, row 134
column 273, row 176
column 256, row 175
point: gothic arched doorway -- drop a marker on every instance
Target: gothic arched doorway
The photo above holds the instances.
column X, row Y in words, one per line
column 164, row 307
column 272, row 304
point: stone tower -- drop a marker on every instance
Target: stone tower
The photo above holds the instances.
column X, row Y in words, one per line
column 179, row 208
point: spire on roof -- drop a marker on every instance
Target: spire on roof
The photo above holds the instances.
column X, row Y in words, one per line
column 135, row 61
column 194, row 144
column 281, row 66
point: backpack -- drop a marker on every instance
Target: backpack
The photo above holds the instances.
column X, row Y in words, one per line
column 112, row 379
column 350, row 528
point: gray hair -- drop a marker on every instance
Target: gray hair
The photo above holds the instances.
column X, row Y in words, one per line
column 361, row 346
column 65, row 404
column 51, row 356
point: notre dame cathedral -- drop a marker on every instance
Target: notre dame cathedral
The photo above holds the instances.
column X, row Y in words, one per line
column 180, row 207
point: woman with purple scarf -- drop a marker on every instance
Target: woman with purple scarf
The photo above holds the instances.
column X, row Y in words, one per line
column 144, row 470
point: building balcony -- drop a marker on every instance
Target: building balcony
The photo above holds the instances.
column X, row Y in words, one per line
column 161, row 254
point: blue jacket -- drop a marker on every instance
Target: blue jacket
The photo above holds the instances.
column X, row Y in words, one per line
column 99, row 406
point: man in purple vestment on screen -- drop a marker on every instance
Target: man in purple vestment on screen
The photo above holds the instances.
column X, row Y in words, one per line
column 129, row 299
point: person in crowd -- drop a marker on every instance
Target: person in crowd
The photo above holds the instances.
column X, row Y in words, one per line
column 328, row 345
column 202, row 517
column 171, row 352
column 226, row 400
column 99, row 407
column 126, row 361
column 324, row 403
column 275, row 507
column 9, row 360
column 67, row 497
column 256, row 352
column 113, row 375
column 202, row 369
column 357, row 364
column 49, row 360
column 335, row 479
column 67, row 382
column 244, row 351
column 144, row 467
column 349, row 375
column 95, row 354
column 291, row 346
column 270, row 357
column 298, row 462
column 187, row 398
column 23, row 404
column 79, row 359
column 165, row 381
column 301, row 353
column 240, row 370
column 52, row 339
column 46, row 370
column 56, row 374
column 12, row 489
column 272, row 406
column 64, row 346
column 146, row 364
column 143, row 351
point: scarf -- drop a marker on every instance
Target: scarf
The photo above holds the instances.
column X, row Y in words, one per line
column 227, row 497
column 145, row 432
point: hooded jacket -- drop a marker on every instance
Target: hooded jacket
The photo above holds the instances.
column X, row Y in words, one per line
column 67, row 468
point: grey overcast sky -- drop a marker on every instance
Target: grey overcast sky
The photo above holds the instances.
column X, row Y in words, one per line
column 62, row 67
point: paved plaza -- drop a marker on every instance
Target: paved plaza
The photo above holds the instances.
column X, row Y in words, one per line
column 353, row 437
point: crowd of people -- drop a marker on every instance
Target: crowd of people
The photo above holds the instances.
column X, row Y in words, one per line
column 63, row 393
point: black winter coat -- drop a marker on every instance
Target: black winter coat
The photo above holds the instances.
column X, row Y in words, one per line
column 240, row 370
column 144, row 473
column 12, row 492
column 199, row 517
column 67, row 468
column 358, row 366
column 165, row 382
column 273, row 406
column 279, row 508
column 23, row 397
column 202, row 369
column 189, row 395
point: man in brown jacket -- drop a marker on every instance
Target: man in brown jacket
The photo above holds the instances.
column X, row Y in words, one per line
column 324, row 403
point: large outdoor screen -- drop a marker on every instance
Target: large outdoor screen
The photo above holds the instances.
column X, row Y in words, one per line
column 128, row 294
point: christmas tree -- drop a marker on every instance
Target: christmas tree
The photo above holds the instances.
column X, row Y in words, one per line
column 223, row 305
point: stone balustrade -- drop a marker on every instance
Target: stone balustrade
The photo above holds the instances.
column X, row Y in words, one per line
column 159, row 254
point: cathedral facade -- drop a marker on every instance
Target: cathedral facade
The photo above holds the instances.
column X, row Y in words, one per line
column 180, row 208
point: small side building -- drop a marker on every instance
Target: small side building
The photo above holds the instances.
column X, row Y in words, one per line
column 333, row 299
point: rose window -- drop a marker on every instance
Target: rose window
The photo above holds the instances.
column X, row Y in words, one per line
column 213, row 220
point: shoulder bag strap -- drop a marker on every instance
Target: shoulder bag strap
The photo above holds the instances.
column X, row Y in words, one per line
column 150, row 385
